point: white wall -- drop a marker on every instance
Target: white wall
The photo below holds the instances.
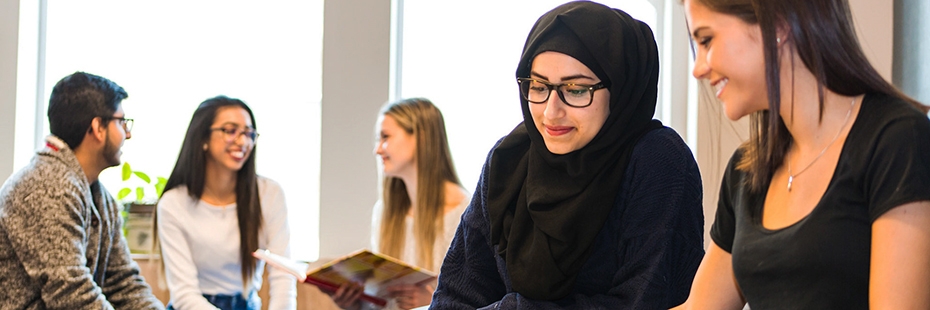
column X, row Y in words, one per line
column 875, row 26
column 9, row 36
column 356, row 62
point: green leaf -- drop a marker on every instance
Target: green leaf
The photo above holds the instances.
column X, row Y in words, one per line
column 143, row 176
column 160, row 186
column 123, row 193
column 127, row 171
column 140, row 193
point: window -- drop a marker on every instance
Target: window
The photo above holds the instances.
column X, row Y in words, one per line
column 172, row 55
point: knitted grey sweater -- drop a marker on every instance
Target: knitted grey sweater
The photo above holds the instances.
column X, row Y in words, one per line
column 61, row 246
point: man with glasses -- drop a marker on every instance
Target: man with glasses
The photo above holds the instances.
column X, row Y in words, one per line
column 61, row 245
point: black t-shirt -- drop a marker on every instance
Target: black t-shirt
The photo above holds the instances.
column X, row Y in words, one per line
column 822, row 261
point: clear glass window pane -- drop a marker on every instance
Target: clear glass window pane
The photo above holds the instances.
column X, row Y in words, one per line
column 171, row 55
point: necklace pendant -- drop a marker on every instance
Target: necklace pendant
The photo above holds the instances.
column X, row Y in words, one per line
column 790, row 180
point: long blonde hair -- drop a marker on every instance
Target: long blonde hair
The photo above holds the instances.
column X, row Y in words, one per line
column 419, row 117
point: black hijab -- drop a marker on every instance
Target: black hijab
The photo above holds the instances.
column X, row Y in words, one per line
column 546, row 209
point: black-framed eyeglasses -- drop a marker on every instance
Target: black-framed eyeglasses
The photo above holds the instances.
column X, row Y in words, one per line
column 232, row 132
column 122, row 121
column 572, row 94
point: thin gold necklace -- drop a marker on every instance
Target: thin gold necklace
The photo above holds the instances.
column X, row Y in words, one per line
column 792, row 176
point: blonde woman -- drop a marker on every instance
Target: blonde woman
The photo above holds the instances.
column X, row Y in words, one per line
column 422, row 198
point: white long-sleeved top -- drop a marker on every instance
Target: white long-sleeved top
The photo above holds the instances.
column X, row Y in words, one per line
column 200, row 248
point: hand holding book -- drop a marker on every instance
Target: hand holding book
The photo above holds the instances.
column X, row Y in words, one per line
column 375, row 271
column 348, row 295
column 409, row 296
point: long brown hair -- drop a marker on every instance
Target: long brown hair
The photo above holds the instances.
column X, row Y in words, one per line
column 823, row 34
column 189, row 171
column 419, row 117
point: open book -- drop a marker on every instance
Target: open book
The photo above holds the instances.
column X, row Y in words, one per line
column 375, row 271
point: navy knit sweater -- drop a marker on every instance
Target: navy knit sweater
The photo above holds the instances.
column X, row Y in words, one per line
column 644, row 257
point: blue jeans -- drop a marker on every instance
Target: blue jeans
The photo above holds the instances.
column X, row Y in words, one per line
column 232, row 302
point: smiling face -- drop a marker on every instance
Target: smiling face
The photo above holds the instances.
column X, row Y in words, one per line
column 566, row 129
column 225, row 152
column 729, row 55
column 397, row 149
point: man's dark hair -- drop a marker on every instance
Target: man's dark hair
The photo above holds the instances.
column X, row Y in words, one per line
column 76, row 100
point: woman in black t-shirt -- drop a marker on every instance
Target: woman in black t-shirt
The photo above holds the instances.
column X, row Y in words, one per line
column 827, row 206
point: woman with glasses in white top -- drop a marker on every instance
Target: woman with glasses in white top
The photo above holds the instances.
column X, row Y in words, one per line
column 216, row 211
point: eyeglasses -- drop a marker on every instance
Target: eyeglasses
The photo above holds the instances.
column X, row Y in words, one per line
column 232, row 132
column 122, row 121
column 574, row 95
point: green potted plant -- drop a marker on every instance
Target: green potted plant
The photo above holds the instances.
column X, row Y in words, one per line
column 139, row 207
column 140, row 197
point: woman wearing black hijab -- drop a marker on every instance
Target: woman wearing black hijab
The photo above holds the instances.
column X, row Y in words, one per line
column 589, row 203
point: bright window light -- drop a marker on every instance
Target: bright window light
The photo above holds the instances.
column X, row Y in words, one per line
column 172, row 55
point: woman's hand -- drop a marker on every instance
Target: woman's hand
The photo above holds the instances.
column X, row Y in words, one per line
column 346, row 297
column 411, row 296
